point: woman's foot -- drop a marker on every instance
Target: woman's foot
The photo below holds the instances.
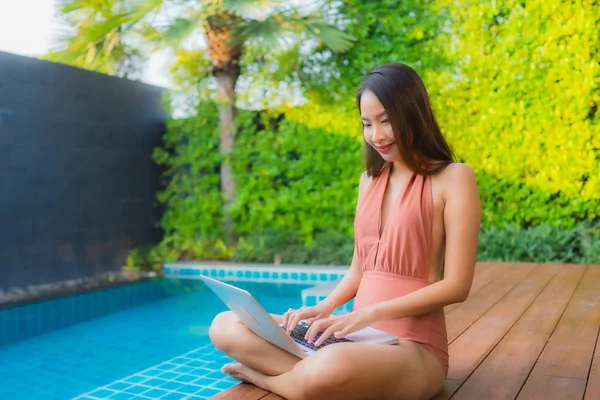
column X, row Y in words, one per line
column 243, row 373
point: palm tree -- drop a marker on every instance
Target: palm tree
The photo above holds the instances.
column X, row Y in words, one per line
column 105, row 32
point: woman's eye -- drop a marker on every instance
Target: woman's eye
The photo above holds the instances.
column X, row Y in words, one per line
column 385, row 121
column 366, row 125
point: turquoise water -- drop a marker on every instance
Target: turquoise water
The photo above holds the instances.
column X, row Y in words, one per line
column 155, row 350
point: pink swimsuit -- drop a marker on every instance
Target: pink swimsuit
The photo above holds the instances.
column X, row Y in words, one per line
column 398, row 263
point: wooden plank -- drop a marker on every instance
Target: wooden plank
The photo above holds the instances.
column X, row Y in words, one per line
column 592, row 391
column 502, row 374
column 562, row 369
column 477, row 304
column 553, row 387
column 272, row 396
column 485, row 273
column 243, row 391
column 470, row 348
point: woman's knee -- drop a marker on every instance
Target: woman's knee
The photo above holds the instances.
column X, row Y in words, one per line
column 222, row 330
column 327, row 375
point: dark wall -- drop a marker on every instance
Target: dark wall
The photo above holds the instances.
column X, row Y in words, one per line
column 77, row 182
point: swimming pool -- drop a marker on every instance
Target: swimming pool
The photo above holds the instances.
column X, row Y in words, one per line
column 159, row 349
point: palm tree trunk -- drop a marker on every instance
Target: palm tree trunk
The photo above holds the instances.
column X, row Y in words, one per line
column 226, row 81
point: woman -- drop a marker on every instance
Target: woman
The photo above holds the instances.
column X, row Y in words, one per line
column 416, row 233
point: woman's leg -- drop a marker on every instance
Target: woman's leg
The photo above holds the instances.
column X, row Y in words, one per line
column 355, row 371
column 232, row 337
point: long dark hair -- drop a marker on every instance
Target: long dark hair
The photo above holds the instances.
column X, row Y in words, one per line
column 406, row 102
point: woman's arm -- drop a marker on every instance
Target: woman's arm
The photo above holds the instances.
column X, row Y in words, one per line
column 346, row 289
column 462, row 215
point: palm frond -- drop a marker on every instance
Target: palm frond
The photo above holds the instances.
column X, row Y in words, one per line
column 243, row 7
column 332, row 37
column 69, row 6
column 180, row 28
column 274, row 29
column 269, row 32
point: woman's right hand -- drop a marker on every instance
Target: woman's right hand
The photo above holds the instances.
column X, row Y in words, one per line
column 292, row 317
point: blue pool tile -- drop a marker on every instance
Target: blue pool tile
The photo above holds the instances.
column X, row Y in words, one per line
column 275, row 275
column 155, row 382
column 215, row 375
column 155, row 393
column 137, row 389
column 323, row 277
column 153, row 372
column 118, row 386
column 179, row 360
column 208, row 392
column 168, row 375
column 196, row 363
column 136, row 379
column 239, row 274
column 102, row 393
column 122, row 396
column 166, row 366
column 223, row 385
column 171, row 385
column 294, row 275
column 185, row 378
column 303, row 276
column 201, row 371
column 285, row 275
column 313, row 277
column 204, row 381
column 184, row 369
column 189, row 389
column 174, row 396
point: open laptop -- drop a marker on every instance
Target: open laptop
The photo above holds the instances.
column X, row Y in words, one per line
column 259, row 321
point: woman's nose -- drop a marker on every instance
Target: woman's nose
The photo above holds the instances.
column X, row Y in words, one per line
column 377, row 135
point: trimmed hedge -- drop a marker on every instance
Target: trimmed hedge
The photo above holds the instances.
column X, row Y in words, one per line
column 514, row 85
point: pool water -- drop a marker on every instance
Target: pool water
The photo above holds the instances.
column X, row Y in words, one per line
column 155, row 350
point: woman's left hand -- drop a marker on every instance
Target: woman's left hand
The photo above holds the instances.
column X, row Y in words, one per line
column 339, row 326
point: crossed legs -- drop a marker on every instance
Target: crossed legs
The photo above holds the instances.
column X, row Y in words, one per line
column 338, row 371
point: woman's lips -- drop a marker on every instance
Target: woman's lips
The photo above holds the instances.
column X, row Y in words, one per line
column 385, row 149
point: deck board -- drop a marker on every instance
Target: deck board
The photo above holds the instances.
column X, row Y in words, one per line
column 565, row 362
column 463, row 316
column 527, row 331
column 471, row 348
column 502, row 374
column 592, row 391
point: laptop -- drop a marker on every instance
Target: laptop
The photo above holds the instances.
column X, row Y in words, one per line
column 259, row 321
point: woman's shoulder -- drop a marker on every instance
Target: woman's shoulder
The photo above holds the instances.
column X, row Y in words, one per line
column 457, row 172
column 457, row 179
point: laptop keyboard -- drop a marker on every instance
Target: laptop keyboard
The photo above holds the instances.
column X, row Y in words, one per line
column 300, row 330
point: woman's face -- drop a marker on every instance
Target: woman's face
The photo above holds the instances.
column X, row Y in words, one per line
column 377, row 129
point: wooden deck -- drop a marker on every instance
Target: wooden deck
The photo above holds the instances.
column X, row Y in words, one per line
column 527, row 331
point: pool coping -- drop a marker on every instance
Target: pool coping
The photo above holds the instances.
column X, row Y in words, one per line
column 24, row 295
column 275, row 273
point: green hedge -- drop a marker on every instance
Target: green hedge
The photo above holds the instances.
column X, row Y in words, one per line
column 515, row 86
column 296, row 201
